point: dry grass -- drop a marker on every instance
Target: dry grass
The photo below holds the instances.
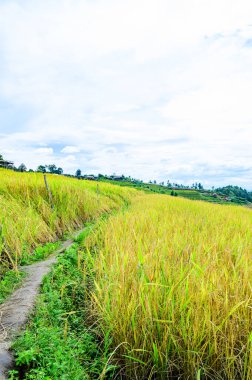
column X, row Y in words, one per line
column 26, row 216
column 173, row 281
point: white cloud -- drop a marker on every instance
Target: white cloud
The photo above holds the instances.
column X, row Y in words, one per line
column 44, row 150
column 153, row 89
column 70, row 149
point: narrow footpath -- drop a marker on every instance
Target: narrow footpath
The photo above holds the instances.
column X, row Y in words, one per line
column 14, row 312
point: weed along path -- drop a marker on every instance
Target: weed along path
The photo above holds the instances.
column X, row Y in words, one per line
column 14, row 312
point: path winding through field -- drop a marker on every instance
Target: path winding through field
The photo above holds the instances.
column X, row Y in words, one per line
column 14, row 312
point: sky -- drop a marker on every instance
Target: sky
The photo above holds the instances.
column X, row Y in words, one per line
column 155, row 89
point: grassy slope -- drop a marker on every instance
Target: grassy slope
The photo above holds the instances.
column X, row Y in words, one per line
column 28, row 220
column 200, row 195
column 173, row 282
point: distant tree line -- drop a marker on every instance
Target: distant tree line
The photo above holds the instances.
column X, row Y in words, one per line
column 40, row 169
column 234, row 192
column 52, row 168
column 172, row 185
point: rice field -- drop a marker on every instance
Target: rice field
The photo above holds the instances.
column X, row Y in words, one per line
column 172, row 278
column 28, row 217
column 173, row 289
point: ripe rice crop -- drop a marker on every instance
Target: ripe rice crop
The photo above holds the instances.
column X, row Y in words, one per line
column 173, row 288
column 27, row 218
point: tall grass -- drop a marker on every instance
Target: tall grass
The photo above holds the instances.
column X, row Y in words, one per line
column 28, row 219
column 173, row 286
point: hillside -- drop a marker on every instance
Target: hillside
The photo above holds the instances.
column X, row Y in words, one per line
column 155, row 287
column 222, row 195
column 28, row 217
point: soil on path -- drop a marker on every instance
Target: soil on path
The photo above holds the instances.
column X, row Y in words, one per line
column 14, row 312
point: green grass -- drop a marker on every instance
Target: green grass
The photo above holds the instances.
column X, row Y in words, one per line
column 10, row 282
column 40, row 253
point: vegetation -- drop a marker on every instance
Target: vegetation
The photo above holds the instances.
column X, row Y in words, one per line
column 31, row 216
column 56, row 343
column 78, row 173
column 12, row 278
column 235, row 193
column 10, row 282
column 160, row 289
column 39, row 253
column 173, row 283
column 223, row 195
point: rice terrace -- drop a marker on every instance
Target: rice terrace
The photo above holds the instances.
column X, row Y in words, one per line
column 155, row 286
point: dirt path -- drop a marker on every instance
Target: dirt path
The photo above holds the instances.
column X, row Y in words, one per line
column 14, row 312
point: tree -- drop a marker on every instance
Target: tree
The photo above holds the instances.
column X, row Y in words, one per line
column 59, row 171
column 78, row 173
column 22, row 168
column 41, row 169
column 237, row 193
column 52, row 168
column 1, row 157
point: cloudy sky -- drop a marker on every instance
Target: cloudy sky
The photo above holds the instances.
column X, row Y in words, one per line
column 149, row 88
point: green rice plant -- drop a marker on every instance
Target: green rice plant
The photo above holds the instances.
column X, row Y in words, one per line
column 173, row 281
